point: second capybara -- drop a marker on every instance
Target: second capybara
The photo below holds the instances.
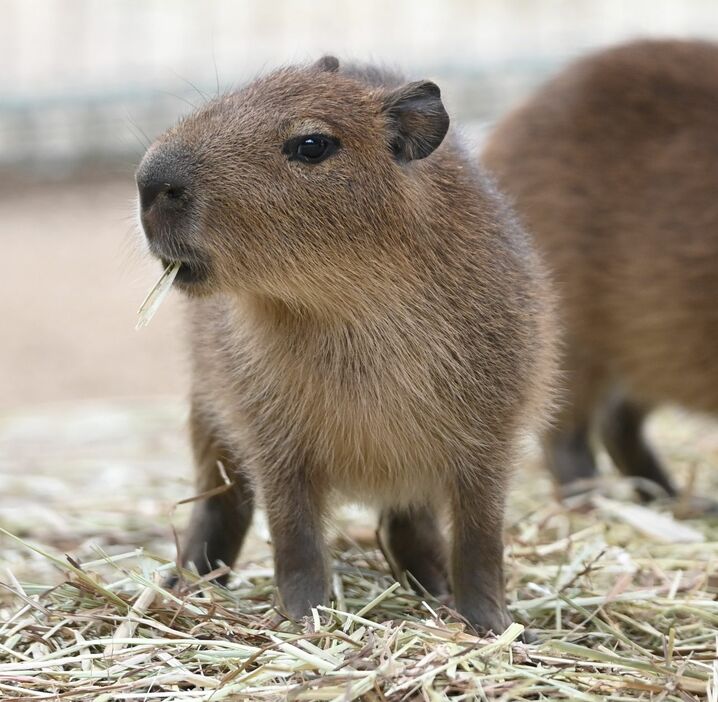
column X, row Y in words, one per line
column 613, row 167
column 367, row 321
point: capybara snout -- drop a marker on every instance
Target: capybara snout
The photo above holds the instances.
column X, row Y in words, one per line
column 169, row 194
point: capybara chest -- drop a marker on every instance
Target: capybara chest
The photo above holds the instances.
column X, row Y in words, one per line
column 372, row 421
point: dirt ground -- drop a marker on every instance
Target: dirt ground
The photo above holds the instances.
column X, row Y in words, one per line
column 73, row 276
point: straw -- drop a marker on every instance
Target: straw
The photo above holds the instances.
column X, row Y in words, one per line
column 620, row 600
column 156, row 295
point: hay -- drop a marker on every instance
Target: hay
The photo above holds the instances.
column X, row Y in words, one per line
column 156, row 295
column 622, row 602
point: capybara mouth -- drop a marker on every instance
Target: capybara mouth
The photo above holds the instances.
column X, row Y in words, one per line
column 190, row 272
column 187, row 275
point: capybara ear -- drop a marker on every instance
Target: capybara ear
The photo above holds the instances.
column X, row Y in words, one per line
column 417, row 120
column 329, row 64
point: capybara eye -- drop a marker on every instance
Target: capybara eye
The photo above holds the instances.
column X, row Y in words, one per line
column 311, row 148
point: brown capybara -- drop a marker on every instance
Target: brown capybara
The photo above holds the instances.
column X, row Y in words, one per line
column 612, row 166
column 367, row 323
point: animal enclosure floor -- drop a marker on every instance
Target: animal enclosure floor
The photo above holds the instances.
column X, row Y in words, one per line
column 75, row 274
column 621, row 599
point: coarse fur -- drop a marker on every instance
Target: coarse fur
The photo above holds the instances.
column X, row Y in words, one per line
column 611, row 166
column 375, row 327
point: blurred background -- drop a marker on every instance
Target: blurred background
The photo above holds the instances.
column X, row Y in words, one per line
column 91, row 411
column 86, row 84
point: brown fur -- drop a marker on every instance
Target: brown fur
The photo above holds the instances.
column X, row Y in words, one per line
column 612, row 166
column 375, row 327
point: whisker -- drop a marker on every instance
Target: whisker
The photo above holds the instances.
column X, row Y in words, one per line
column 203, row 95
column 147, row 141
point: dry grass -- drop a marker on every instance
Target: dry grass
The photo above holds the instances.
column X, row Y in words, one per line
column 622, row 599
column 156, row 295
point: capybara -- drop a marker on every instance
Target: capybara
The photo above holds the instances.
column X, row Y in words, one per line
column 612, row 167
column 367, row 322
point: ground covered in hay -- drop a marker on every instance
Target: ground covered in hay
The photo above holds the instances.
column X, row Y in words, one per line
column 621, row 599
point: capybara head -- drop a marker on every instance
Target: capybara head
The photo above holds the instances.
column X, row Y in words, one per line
column 260, row 188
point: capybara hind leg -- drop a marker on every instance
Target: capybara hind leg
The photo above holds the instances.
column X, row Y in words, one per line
column 477, row 572
column 219, row 523
column 568, row 455
column 416, row 546
column 622, row 433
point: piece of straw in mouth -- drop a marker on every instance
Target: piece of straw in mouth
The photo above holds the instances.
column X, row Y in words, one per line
column 157, row 295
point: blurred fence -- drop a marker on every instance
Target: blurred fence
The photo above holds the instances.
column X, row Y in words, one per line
column 86, row 78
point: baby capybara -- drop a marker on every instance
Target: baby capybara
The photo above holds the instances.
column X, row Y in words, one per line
column 612, row 167
column 367, row 323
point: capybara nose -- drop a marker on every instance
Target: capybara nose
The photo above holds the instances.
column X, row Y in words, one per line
column 163, row 189
column 163, row 181
column 164, row 186
column 164, row 205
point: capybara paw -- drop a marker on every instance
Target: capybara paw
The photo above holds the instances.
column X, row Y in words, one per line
column 488, row 619
column 434, row 581
column 297, row 602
